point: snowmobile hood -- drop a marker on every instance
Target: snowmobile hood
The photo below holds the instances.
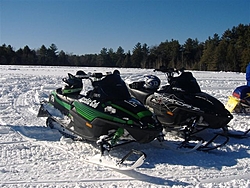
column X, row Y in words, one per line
column 130, row 112
column 207, row 102
column 127, row 114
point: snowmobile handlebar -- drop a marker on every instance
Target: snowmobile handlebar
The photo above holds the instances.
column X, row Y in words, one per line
column 170, row 71
column 82, row 75
column 95, row 75
column 166, row 70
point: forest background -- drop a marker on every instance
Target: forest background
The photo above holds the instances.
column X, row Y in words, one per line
column 230, row 52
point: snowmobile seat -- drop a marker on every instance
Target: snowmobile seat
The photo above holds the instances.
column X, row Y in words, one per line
column 138, row 90
column 141, row 95
column 186, row 83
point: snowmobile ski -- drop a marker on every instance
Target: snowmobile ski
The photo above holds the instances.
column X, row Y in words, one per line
column 207, row 145
column 236, row 134
column 108, row 161
column 177, row 147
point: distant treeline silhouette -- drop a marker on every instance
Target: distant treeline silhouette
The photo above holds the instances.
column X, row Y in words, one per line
column 230, row 52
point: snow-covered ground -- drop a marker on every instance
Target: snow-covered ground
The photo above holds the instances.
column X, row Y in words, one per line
column 32, row 155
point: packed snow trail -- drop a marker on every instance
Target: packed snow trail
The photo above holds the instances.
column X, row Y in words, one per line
column 32, row 155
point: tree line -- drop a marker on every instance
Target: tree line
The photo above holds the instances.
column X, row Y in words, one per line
column 230, row 52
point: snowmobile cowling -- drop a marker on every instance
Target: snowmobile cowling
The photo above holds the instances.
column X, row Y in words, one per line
column 181, row 106
column 104, row 110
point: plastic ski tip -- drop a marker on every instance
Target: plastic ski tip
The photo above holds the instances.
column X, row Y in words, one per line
column 239, row 135
column 217, row 141
column 123, row 164
column 138, row 162
column 191, row 147
column 212, row 144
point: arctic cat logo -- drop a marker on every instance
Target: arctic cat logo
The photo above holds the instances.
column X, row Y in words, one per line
column 132, row 103
column 89, row 102
column 182, row 104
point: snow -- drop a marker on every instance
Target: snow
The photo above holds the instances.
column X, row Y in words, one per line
column 33, row 155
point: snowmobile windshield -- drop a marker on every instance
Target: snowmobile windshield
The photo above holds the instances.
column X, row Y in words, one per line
column 112, row 87
column 186, row 82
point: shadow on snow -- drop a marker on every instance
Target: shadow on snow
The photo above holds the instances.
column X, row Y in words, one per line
column 212, row 159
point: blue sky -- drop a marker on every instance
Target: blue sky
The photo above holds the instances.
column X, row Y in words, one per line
column 86, row 26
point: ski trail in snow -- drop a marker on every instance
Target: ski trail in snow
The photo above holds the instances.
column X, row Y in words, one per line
column 74, row 181
column 245, row 175
column 68, row 147
column 39, row 160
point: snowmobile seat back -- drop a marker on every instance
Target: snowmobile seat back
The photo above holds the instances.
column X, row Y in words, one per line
column 73, row 85
column 138, row 91
column 112, row 87
column 185, row 82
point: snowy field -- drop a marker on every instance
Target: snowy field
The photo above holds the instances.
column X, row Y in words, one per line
column 32, row 155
